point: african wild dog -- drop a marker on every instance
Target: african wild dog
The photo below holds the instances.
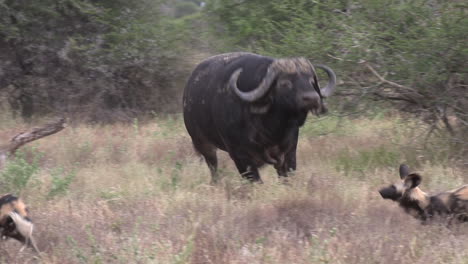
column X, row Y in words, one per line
column 452, row 205
column 14, row 221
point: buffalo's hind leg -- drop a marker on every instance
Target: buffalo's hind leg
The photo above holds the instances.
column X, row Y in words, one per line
column 208, row 151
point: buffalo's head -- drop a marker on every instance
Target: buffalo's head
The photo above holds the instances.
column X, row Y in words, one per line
column 293, row 85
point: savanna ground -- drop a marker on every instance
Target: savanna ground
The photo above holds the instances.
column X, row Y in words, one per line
column 139, row 194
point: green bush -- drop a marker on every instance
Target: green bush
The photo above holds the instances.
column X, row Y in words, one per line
column 418, row 47
column 98, row 61
column 17, row 173
column 185, row 8
column 61, row 181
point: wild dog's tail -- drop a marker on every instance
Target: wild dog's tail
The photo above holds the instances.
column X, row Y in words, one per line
column 462, row 193
column 25, row 228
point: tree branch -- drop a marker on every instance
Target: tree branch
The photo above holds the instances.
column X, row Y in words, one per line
column 25, row 137
column 394, row 98
column 382, row 79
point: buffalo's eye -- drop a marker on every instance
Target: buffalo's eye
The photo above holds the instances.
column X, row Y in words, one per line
column 285, row 84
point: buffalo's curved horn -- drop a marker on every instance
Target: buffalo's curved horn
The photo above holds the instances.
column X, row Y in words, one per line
column 330, row 87
column 258, row 92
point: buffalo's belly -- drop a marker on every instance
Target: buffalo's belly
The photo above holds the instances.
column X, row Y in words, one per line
column 202, row 130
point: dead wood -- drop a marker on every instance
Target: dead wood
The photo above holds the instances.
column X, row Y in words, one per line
column 25, row 137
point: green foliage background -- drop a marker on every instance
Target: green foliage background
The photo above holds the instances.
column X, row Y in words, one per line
column 412, row 55
column 117, row 60
column 105, row 61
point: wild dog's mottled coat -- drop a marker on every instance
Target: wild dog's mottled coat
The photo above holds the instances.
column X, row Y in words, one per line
column 452, row 204
column 14, row 220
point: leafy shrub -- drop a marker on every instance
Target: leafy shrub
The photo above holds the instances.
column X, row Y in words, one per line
column 410, row 54
column 17, row 173
column 105, row 61
column 185, row 8
column 61, row 181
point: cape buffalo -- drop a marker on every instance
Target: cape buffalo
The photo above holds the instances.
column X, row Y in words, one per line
column 252, row 106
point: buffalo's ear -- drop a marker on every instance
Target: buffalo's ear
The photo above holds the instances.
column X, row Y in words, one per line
column 404, row 171
column 413, row 180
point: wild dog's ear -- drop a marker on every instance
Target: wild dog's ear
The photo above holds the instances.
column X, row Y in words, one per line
column 404, row 171
column 413, row 180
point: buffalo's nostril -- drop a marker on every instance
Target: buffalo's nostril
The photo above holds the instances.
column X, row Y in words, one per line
column 310, row 100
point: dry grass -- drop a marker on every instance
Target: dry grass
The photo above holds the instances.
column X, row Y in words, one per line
column 141, row 195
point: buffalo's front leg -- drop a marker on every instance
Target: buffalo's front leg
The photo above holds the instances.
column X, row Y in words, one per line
column 290, row 161
column 287, row 167
column 276, row 157
column 289, row 164
column 246, row 167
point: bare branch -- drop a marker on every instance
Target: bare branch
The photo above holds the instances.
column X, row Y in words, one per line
column 25, row 137
column 382, row 79
column 394, row 98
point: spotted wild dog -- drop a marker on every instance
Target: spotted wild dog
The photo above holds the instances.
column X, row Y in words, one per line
column 14, row 221
column 451, row 205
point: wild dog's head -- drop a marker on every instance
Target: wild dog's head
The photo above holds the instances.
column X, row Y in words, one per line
column 14, row 220
column 407, row 193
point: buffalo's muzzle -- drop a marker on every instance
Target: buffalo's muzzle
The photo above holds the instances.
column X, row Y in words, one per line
column 311, row 101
